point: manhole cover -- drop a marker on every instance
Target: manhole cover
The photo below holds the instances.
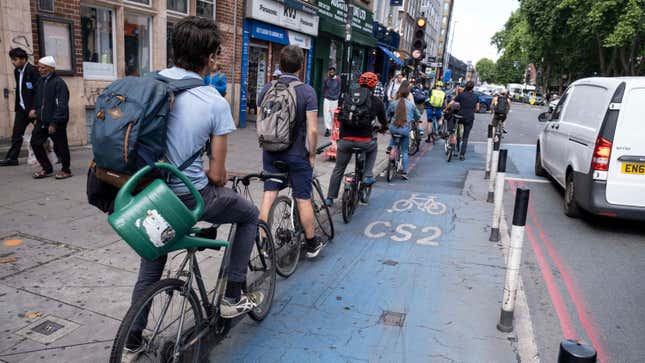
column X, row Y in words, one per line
column 47, row 327
column 392, row 318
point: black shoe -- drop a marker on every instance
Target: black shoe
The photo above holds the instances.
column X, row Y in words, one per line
column 327, row 133
column 314, row 247
column 429, row 139
column 404, row 176
column 387, row 151
column 504, row 131
column 462, row 157
column 8, row 162
column 134, row 343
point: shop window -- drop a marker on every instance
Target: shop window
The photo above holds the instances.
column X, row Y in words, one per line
column 169, row 31
column 46, row 5
column 137, row 44
column 97, row 33
column 205, row 8
column 180, row 6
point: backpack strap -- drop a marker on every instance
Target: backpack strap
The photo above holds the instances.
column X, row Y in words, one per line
column 191, row 160
column 179, row 85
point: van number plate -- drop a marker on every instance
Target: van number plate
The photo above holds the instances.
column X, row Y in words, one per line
column 633, row 168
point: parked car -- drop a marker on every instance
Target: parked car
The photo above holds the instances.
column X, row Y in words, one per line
column 539, row 100
column 593, row 145
column 484, row 101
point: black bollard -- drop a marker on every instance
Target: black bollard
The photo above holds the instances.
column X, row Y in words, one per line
column 574, row 351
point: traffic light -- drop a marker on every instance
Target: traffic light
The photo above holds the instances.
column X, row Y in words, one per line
column 419, row 39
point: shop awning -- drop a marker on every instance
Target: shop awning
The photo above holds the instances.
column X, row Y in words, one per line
column 391, row 55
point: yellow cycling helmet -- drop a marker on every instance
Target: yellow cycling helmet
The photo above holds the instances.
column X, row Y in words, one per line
column 439, row 84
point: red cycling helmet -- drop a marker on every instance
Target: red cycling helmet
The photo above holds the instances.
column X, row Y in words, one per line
column 368, row 79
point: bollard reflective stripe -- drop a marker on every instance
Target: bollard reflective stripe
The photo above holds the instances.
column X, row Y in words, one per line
column 489, row 151
column 514, row 260
column 493, row 173
column 498, row 196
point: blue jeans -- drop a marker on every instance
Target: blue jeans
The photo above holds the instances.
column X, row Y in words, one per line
column 405, row 142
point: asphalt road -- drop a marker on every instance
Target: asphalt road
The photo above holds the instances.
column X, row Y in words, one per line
column 581, row 276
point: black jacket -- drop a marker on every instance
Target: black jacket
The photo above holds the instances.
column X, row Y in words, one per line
column 30, row 79
column 377, row 112
column 51, row 102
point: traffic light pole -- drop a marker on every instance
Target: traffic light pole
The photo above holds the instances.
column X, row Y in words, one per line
column 347, row 54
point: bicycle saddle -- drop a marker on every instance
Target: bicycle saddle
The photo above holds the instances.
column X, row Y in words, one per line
column 396, row 136
column 281, row 166
column 357, row 149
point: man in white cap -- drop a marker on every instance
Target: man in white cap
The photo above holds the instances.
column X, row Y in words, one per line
column 52, row 114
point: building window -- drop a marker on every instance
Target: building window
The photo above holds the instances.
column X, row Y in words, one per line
column 136, row 31
column 46, row 5
column 205, row 8
column 97, row 33
column 144, row 2
column 169, row 30
column 180, row 6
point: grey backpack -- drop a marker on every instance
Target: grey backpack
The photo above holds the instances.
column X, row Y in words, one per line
column 277, row 116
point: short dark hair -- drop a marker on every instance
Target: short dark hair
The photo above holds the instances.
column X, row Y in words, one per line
column 194, row 39
column 17, row 53
column 291, row 58
column 470, row 85
column 332, row 68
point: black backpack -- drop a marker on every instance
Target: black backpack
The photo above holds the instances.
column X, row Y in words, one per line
column 355, row 113
column 502, row 105
column 420, row 96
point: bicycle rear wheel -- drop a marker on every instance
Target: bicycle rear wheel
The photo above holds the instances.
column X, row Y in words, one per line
column 286, row 238
column 366, row 191
column 161, row 305
column 322, row 214
column 262, row 269
column 449, row 152
column 348, row 203
column 414, row 142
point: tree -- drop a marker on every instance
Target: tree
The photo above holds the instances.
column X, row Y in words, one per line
column 486, row 70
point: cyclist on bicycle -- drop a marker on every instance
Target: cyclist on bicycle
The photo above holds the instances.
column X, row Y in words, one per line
column 358, row 134
column 199, row 115
column 405, row 112
column 500, row 106
column 301, row 155
column 437, row 103
column 469, row 105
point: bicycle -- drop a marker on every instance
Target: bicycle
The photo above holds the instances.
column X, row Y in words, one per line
column 455, row 138
column 354, row 189
column 415, row 138
column 395, row 162
column 423, row 202
column 286, row 229
column 190, row 318
column 498, row 130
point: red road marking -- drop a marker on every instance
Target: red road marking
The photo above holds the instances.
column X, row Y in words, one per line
column 581, row 306
column 566, row 325
column 416, row 160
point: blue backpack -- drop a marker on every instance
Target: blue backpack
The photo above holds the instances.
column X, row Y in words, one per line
column 129, row 130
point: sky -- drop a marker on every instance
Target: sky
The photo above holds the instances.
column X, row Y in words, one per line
column 477, row 21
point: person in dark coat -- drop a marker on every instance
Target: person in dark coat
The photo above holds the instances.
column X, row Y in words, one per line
column 51, row 111
column 26, row 80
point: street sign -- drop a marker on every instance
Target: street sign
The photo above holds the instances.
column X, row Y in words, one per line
column 416, row 54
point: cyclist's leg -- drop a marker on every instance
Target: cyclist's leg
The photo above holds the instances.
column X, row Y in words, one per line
column 271, row 188
column 405, row 144
column 149, row 273
column 468, row 125
column 370, row 157
column 301, row 177
column 343, row 156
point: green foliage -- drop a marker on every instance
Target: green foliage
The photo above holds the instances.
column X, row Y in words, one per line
column 486, row 70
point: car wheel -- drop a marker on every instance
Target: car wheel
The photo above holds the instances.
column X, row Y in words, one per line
column 539, row 169
column 483, row 107
column 571, row 208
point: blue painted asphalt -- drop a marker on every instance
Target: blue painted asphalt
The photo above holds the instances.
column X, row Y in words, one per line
column 419, row 248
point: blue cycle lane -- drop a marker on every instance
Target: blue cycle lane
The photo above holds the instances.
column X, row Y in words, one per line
column 413, row 278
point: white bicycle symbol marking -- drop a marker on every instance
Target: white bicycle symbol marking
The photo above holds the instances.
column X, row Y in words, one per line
column 424, row 202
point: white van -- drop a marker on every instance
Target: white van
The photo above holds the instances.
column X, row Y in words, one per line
column 593, row 144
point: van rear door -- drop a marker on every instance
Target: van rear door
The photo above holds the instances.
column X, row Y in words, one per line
column 626, row 174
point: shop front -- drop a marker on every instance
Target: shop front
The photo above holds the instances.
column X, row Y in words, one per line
column 268, row 27
column 330, row 43
column 385, row 58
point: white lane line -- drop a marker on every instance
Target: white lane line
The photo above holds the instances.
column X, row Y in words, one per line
column 503, row 144
column 528, row 180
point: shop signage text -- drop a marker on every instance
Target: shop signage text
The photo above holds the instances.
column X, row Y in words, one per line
column 337, row 10
column 279, row 35
column 283, row 15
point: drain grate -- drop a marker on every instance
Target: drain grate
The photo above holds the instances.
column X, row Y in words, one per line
column 392, row 318
column 390, row 263
column 47, row 327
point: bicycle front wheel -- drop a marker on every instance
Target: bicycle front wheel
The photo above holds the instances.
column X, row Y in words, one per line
column 322, row 214
column 286, row 239
column 348, row 203
column 414, row 142
column 262, row 269
column 152, row 323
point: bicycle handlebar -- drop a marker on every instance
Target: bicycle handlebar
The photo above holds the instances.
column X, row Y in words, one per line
column 322, row 148
column 262, row 176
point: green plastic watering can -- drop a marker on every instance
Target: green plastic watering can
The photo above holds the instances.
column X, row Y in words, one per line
column 155, row 221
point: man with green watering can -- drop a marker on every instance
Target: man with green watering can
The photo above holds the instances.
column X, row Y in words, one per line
column 200, row 115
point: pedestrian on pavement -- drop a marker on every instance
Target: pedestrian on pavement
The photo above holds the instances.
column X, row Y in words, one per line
column 500, row 107
column 405, row 112
column 379, row 90
column 394, row 86
column 51, row 111
column 331, row 93
column 27, row 77
column 469, row 105
column 300, row 156
column 359, row 137
column 216, row 79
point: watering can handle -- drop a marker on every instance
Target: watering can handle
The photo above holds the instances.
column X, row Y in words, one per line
column 125, row 194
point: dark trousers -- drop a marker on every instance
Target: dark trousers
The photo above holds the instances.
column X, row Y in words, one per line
column 221, row 205
column 21, row 121
column 344, row 155
column 61, row 147
column 468, row 125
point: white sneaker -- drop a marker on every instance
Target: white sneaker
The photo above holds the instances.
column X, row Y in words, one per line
column 248, row 301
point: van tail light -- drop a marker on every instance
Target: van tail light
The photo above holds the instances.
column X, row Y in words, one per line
column 601, row 154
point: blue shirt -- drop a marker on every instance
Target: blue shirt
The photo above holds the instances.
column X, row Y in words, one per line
column 411, row 110
column 218, row 81
column 197, row 114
